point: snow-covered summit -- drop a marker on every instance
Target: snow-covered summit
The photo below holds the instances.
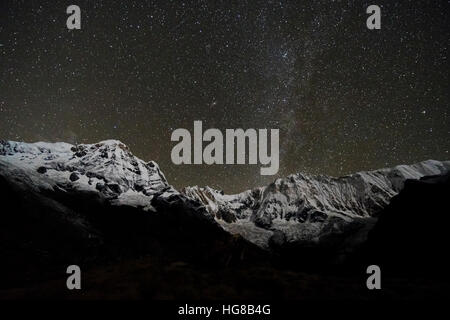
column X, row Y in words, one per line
column 307, row 207
column 107, row 167
column 300, row 207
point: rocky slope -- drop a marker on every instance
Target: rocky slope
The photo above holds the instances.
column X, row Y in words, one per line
column 309, row 208
column 100, row 207
column 300, row 208
column 107, row 167
column 93, row 204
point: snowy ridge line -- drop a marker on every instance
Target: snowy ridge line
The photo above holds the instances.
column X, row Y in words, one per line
column 299, row 207
column 107, row 167
column 304, row 207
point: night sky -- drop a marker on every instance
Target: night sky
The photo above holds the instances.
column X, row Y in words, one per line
column 345, row 98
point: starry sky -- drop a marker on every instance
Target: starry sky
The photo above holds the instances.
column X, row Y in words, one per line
column 344, row 98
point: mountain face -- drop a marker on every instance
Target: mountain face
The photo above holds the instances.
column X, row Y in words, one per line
column 309, row 208
column 98, row 205
column 107, row 167
column 297, row 209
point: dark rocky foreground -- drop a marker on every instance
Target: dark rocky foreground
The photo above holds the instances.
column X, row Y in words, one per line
column 180, row 253
column 411, row 237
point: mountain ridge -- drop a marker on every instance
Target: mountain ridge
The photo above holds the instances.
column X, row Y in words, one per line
column 304, row 207
column 298, row 208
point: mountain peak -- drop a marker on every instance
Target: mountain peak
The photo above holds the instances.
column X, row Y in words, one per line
column 107, row 167
column 305, row 207
column 300, row 207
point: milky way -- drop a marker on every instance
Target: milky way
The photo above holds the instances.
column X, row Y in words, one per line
column 345, row 98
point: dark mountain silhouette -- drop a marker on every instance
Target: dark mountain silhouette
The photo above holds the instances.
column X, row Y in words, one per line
column 411, row 235
column 135, row 236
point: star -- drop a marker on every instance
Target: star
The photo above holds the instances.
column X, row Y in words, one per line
column 345, row 99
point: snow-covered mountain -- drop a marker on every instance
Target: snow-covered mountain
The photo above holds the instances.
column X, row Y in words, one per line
column 298, row 208
column 93, row 204
column 107, row 167
column 308, row 208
